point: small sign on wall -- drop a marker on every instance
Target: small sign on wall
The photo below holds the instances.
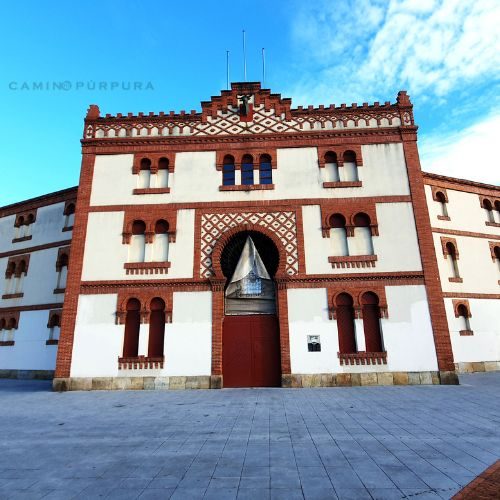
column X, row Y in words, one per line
column 313, row 343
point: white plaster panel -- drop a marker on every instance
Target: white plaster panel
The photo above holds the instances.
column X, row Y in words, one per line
column 396, row 246
column 407, row 333
column 479, row 273
column 384, row 170
column 484, row 345
column 181, row 253
column 98, row 342
column 297, row 176
column 464, row 210
column 105, row 254
column 188, row 339
column 29, row 351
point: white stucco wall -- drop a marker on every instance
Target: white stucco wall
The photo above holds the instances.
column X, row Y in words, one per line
column 407, row 333
column 29, row 351
column 105, row 254
column 298, row 176
column 99, row 342
column 479, row 273
column 46, row 229
column 464, row 210
column 39, row 284
column 396, row 246
column 484, row 345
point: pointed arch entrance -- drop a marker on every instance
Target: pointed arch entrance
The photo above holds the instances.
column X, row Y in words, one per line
column 250, row 330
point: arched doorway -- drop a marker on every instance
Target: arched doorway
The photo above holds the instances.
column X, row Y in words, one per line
column 250, row 334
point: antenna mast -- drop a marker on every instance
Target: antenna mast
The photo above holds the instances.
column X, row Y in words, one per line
column 263, row 67
column 244, row 58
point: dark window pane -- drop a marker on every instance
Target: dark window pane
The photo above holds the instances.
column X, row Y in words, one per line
column 228, row 179
column 247, row 173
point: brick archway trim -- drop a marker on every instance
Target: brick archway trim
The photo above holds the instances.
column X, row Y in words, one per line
column 228, row 235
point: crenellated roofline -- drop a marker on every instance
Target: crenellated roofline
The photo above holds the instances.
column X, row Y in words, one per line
column 249, row 109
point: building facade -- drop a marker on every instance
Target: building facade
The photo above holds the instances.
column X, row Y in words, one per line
column 465, row 220
column 254, row 244
column 35, row 238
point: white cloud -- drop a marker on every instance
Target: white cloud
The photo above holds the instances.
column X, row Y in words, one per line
column 373, row 47
column 470, row 154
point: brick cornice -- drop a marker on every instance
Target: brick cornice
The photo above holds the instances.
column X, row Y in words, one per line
column 37, row 248
column 37, row 307
column 284, row 204
column 465, row 295
column 304, row 281
column 456, row 184
column 39, row 201
column 456, row 232
column 304, row 139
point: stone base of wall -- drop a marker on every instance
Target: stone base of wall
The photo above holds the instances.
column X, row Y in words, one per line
column 287, row 380
column 479, row 366
column 364, row 379
column 28, row 374
column 135, row 383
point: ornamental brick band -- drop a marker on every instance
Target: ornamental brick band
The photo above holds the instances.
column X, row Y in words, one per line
column 140, row 362
column 362, row 358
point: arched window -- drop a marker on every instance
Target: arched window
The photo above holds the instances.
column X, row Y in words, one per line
column 452, row 260
column 160, row 245
column 3, row 330
column 11, row 326
column 69, row 213
column 265, row 170
column 20, row 274
column 132, row 327
column 371, row 322
column 338, row 235
column 497, row 210
column 350, row 167
column 62, row 271
column 332, row 167
column 490, row 216
column 247, row 170
column 345, row 323
column 463, row 315
column 362, row 243
column 137, row 248
column 29, row 224
column 441, row 199
column 156, row 328
column 162, row 175
column 496, row 253
column 10, row 278
column 228, row 171
column 144, row 173
column 54, row 327
column 20, row 227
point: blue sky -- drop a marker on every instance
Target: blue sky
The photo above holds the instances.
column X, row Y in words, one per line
column 446, row 54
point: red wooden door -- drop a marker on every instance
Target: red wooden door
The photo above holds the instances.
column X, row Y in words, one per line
column 251, row 351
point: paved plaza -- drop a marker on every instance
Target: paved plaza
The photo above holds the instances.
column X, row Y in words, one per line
column 418, row 442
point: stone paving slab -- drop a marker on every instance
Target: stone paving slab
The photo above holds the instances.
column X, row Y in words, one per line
column 416, row 442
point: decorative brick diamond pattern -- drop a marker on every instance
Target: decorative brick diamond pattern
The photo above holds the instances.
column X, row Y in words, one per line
column 283, row 224
column 263, row 122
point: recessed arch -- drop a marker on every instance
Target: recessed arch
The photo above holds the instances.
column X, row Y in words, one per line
column 225, row 238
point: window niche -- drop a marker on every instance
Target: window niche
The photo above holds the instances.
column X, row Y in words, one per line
column 153, row 172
